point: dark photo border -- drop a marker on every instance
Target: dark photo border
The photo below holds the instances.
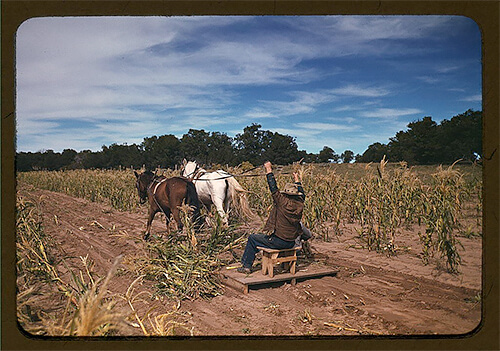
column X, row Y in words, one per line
column 485, row 13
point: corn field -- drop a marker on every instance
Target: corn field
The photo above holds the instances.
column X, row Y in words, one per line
column 381, row 200
column 378, row 200
column 113, row 187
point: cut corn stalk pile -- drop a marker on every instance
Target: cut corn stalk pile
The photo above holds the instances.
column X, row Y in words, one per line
column 185, row 267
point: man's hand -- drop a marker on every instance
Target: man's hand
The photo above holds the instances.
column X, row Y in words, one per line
column 297, row 177
column 268, row 167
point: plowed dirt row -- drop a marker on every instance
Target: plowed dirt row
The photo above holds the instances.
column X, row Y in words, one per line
column 372, row 294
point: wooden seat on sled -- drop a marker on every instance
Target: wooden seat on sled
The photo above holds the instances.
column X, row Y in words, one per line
column 271, row 257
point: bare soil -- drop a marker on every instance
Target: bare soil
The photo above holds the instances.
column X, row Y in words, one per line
column 372, row 294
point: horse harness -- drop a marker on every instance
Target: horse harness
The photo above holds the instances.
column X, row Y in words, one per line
column 197, row 173
column 153, row 192
column 157, row 184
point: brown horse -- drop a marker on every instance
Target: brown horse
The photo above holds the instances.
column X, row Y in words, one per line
column 166, row 195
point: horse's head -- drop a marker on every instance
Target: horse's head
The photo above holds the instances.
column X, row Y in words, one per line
column 142, row 183
column 189, row 169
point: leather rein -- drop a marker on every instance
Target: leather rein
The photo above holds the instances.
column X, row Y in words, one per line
column 198, row 172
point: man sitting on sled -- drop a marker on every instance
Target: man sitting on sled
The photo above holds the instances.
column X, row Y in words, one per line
column 283, row 225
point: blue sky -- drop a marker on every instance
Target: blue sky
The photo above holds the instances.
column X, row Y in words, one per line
column 340, row 81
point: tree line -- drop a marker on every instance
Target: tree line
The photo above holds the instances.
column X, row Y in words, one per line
column 425, row 142
column 253, row 145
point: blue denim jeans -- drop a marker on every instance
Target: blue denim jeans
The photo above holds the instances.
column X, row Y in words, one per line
column 269, row 241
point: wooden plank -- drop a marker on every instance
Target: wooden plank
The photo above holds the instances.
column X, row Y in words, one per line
column 235, row 284
column 258, row 278
column 265, row 249
column 284, row 259
column 242, row 282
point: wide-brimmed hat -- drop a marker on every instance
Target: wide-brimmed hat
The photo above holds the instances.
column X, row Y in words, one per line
column 291, row 189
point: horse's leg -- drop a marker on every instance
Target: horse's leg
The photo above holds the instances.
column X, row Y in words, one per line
column 227, row 200
column 177, row 218
column 167, row 219
column 219, row 205
column 152, row 213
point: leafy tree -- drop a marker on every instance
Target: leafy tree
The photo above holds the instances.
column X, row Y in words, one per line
column 251, row 144
column 282, row 149
column 256, row 146
column 81, row 159
column 308, row 157
column 94, row 159
column 195, row 145
column 68, row 158
column 461, row 137
column 327, row 154
column 422, row 140
column 163, row 151
column 220, row 149
column 26, row 161
column 50, row 160
column 374, row 153
column 402, row 148
column 122, row 156
column 347, row 156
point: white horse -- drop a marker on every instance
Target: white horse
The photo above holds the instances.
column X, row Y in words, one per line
column 217, row 188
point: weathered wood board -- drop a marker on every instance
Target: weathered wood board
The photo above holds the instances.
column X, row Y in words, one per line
column 243, row 282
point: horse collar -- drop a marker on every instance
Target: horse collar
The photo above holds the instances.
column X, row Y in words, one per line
column 198, row 173
column 193, row 174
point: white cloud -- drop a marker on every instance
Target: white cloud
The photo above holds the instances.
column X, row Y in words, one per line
column 390, row 112
column 365, row 28
column 356, row 90
column 347, row 108
column 429, row 79
column 473, row 98
column 371, row 35
column 313, row 136
column 447, row 69
column 320, row 126
column 306, row 102
column 259, row 114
